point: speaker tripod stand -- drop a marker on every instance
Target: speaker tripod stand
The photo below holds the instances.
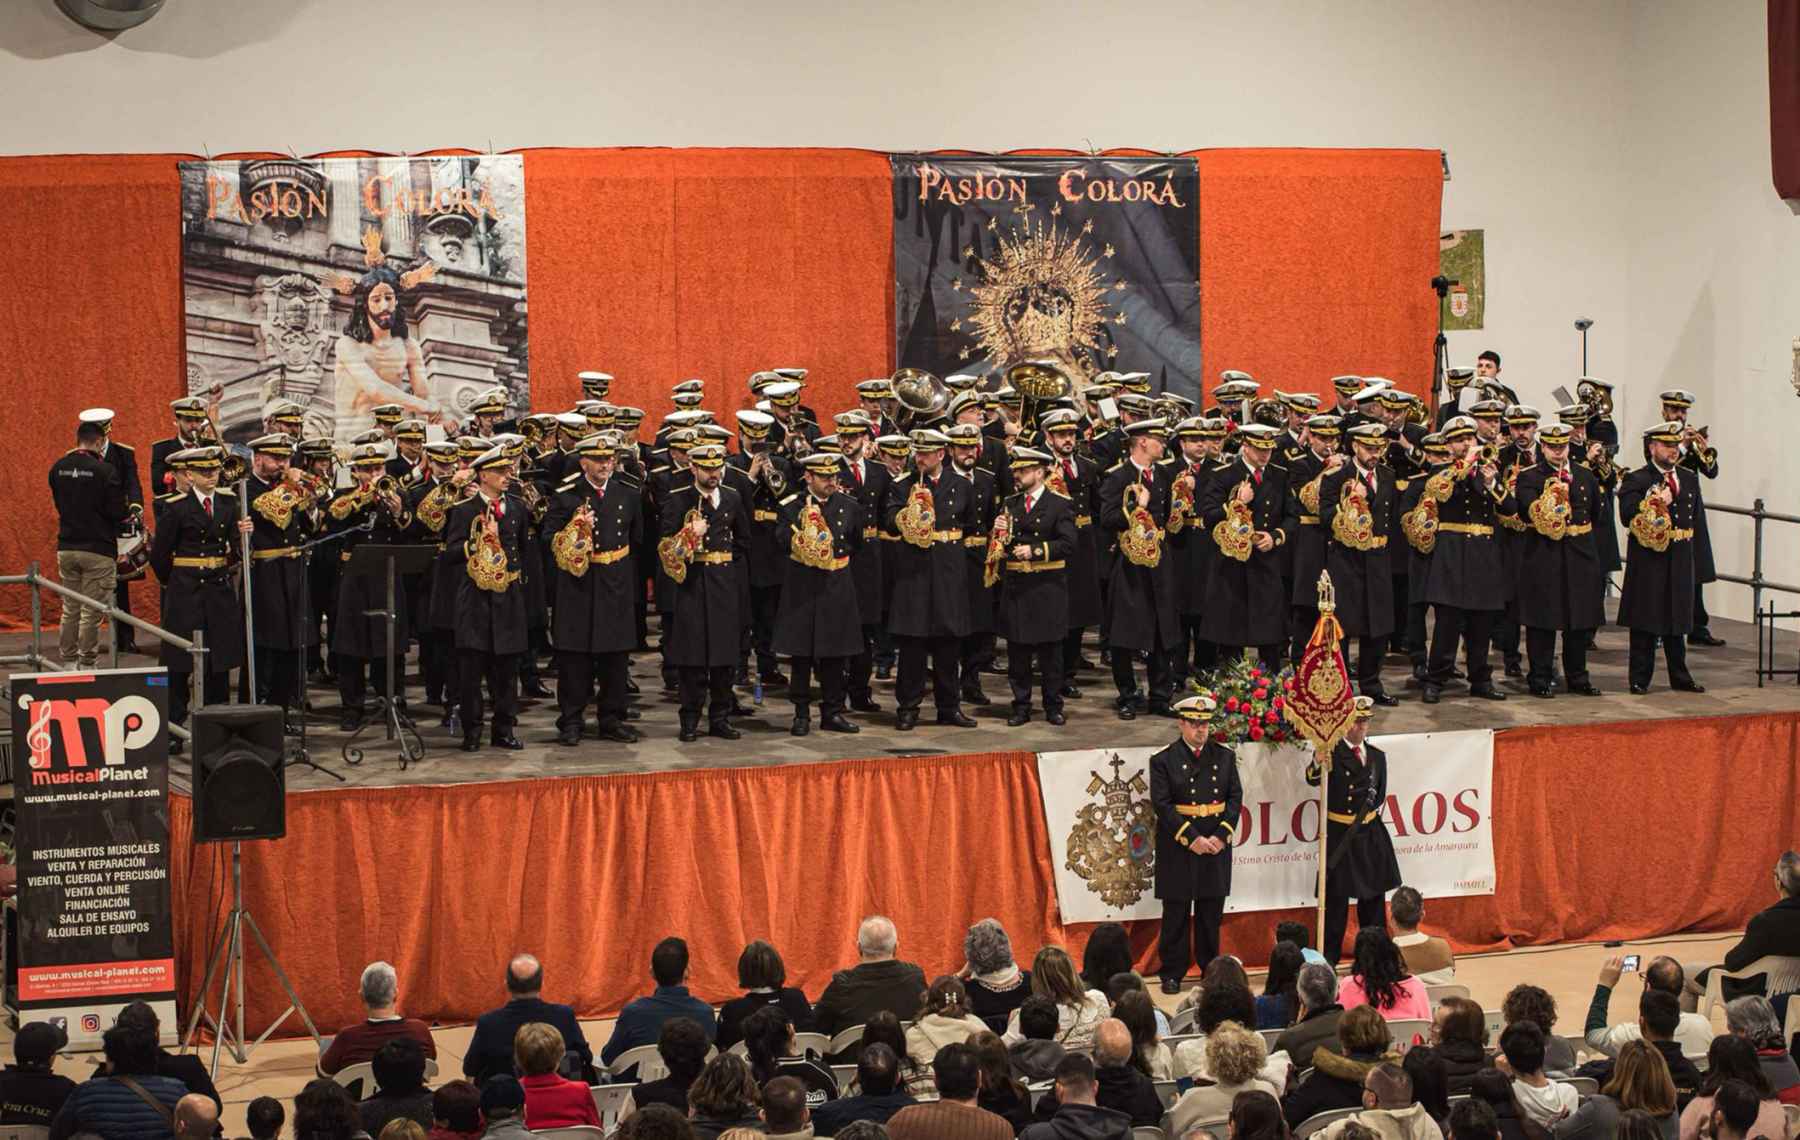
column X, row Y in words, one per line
column 229, row 951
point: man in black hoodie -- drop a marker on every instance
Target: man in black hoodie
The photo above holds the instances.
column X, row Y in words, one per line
column 1121, row 1086
column 1077, row 1116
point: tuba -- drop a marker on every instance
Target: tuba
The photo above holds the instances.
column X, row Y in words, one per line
column 921, row 395
column 1268, row 410
column 1038, row 382
column 573, row 545
column 1597, row 396
column 999, row 539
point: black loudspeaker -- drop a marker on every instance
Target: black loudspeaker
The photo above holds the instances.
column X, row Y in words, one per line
column 240, row 791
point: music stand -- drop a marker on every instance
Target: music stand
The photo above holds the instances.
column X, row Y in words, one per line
column 377, row 562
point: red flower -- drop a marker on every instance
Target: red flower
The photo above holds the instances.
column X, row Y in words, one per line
column 1278, row 735
column 1231, row 704
column 1288, row 684
column 1256, row 732
column 1272, row 717
column 1261, row 694
column 1278, row 702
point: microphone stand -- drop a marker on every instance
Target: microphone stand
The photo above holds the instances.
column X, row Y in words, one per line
column 300, row 756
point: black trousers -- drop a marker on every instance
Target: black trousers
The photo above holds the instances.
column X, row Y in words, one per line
column 1540, row 647
column 829, row 671
column 1415, row 634
column 909, row 683
column 977, row 654
column 1175, row 953
column 765, row 603
column 501, row 672
column 1197, row 655
column 885, row 653
column 706, row 689
column 1072, row 650
column 1301, row 621
column 359, row 676
column 1400, row 641
column 1049, row 656
column 1159, row 674
column 1702, row 622
column 1506, row 633
column 437, row 659
column 216, row 689
column 278, row 676
column 1369, row 912
column 860, row 670
column 576, row 677
column 127, row 634
column 1469, row 627
column 1369, row 654
column 1643, row 658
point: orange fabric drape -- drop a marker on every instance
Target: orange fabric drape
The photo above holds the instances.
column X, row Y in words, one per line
column 659, row 264
column 448, row 881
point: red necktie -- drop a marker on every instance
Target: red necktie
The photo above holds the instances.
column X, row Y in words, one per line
column 1370, row 480
column 1256, row 474
column 1068, row 472
column 1563, row 474
column 1356, row 751
column 1147, row 479
column 1674, row 487
column 856, row 473
column 207, row 503
column 499, row 509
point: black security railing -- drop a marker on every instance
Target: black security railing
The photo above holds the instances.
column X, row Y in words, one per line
column 1766, row 617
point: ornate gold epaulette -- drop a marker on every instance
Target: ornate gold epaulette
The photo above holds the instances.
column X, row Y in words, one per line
column 1059, row 494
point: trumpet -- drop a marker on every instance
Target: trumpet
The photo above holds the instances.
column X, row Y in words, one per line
column 769, row 474
column 1597, row 397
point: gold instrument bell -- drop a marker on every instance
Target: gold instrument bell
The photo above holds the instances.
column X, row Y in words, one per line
column 922, row 395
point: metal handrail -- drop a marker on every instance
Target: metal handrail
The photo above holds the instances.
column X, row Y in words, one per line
column 1756, row 581
column 34, row 578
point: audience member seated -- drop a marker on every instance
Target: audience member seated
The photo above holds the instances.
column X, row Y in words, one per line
column 1001, row 1093
column 640, row 1022
column 1390, row 1110
column 784, row 1109
column 356, row 1044
column 1337, row 1077
column 184, row 1067
column 325, row 1110
column 1131, row 981
column 1079, row 1011
column 1379, row 977
column 876, row 984
column 502, row 1108
column 1078, row 1115
column 956, row 1114
column 1773, row 932
column 1151, row 1057
column 1300, row 935
column 1494, row 1089
column 884, row 1028
column 683, row 1047
column 1664, row 975
column 30, row 1091
column 1427, row 957
column 876, row 1096
column 551, row 1101
column 763, row 976
column 1460, row 1031
column 656, row 1122
column 1752, row 1018
column 1278, row 1005
column 1534, row 1004
column 1472, row 1119
column 109, row 1104
column 1234, row 1059
column 1108, row 952
column 1736, row 1110
column 724, row 1096
column 491, row 1047
column 264, row 1117
column 1320, row 1013
column 197, row 1118
column 455, row 1111
column 1122, row 1086
column 1223, row 970
column 861, row 1130
column 1035, row 1057
column 1731, row 1059
column 1223, row 1000
column 769, row 1039
column 1640, row 1080
column 943, row 1020
column 1256, row 1115
column 1543, row 1102
column 995, row 983
column 1659, row 1016
column 400, row 1092
column 1430, row 1081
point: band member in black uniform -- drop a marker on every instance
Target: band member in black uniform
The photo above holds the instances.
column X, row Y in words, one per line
column 969, row 409
column 1435, row 454
column 1345, row 409
column 1659, row 504
column 429, row 501
column 1196, row 794
column 594, row 521
column 1517, row 453
column 769, row 481
column 1604, row 463
column 1075, row 478
column 1245, row 508
column 668, row 475
column 967, row 447
column 484, row 537
column 1560, row 581
column 1356, row 517
column 1200, row 439
column 595, row 385
column 1306, row 475
column 819, row 627
column 371, row 504
column 895, row 455
column 1466, row 580
column 704, row 529
column 1600, row 459
column 1359, row 853
column 194, row 553
column 875, row 399
column 486, row 413
column 784, row 405
column 1698, row 455
column 866, row 481
column 1029, row 551
column 318, row 457
column 279, row 497
column 931, row 508
column 1135, row 500
column 408, row 461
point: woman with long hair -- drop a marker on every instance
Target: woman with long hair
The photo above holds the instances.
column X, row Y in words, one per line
column 1079, row 1009
column 1279, row 1003
column 1108, row 952
column 1002, row 1093
column 1256, row 1115
column 1148, row 1053
column 1640, row 1082
column 769, row 1039
column 943, row 1020
column 724, row 1096
column 995, row 983
column 1460, row 1033
column 1732, row 1058
column 1379, row 978
column 884, row 1029
column 763, row 977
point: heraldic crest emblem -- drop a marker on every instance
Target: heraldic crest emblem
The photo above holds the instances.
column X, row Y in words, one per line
column 1113, row 843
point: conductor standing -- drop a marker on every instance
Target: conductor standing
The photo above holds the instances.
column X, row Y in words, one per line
column 1195, row 792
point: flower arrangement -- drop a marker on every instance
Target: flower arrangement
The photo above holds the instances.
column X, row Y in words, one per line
column 1250, row 700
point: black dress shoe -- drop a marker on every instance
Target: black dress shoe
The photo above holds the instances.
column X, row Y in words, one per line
column 906, row 720
column 1687, row 686
column 1161, row 708
column 1071, row 692
column 1081, row 664
column 619, row 733
column 350, row 720
column 1433, row 693
column 1056, row 718
column 1586, row 689
column 837, row 722
column 1385, row 700
column 1125, row 710
column 723, row 730
column 740, row 709
column 631, row 686
column 633, row 714
column 975, row 697
column 1486, row 692
column 1514, row 669
column 509, row 742
column 774, row 679
column 1018, row 717
column 569, row 737
column 1543, row 691
column 689, row 733
column 802, row 725
column 176, row 745
column 1638, row 690
column 865, row 704
column 1171, row 985
column 1705, row 637
column 957, row 719
column 535, row 688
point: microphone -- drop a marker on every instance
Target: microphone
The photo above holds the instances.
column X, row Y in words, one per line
column 1584, row 323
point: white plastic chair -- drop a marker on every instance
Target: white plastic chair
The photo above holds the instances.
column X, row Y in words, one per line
column 819, row 1043
column 1404, row 1030
column 1039, row 1091
column 1210, row 1129
column 845, row 1074
column 609, row 1102
column 24, row 1132
column 359, row 1079
column 1182, row 1020
column 1148, row 1132
column 649, row 1063
column 1446, row 990
column 1167, row 1093
column 1494, row 1021
column 1319, row 1120
column 1780, row 976
column 1270, row 1036
column 842, row 1040
column 1586, row 1086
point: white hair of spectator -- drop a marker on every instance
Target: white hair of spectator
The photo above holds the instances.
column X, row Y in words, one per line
column 987, row 948
column 1787, row 873
column 1753, row 1018
column 1317, row 985
column 876, row 938
column 380, row 984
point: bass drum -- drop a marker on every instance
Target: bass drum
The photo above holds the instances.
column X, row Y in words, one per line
column 134, row 556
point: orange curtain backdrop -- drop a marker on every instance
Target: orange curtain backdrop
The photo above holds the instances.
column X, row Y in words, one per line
column 1315, row 263
column 447, row 882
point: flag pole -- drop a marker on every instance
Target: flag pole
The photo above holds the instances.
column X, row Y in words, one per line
column 1320, row 709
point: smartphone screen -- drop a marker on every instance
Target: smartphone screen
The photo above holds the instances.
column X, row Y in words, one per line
column 1630, row 965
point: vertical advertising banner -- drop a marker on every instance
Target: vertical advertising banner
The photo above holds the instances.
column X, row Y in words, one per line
column 92, row 798
column 343, row 284
column 1091, row 262
column 1103, row 829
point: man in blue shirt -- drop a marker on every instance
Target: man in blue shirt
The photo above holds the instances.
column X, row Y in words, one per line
column 491, row 1048
column 641, row 1021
